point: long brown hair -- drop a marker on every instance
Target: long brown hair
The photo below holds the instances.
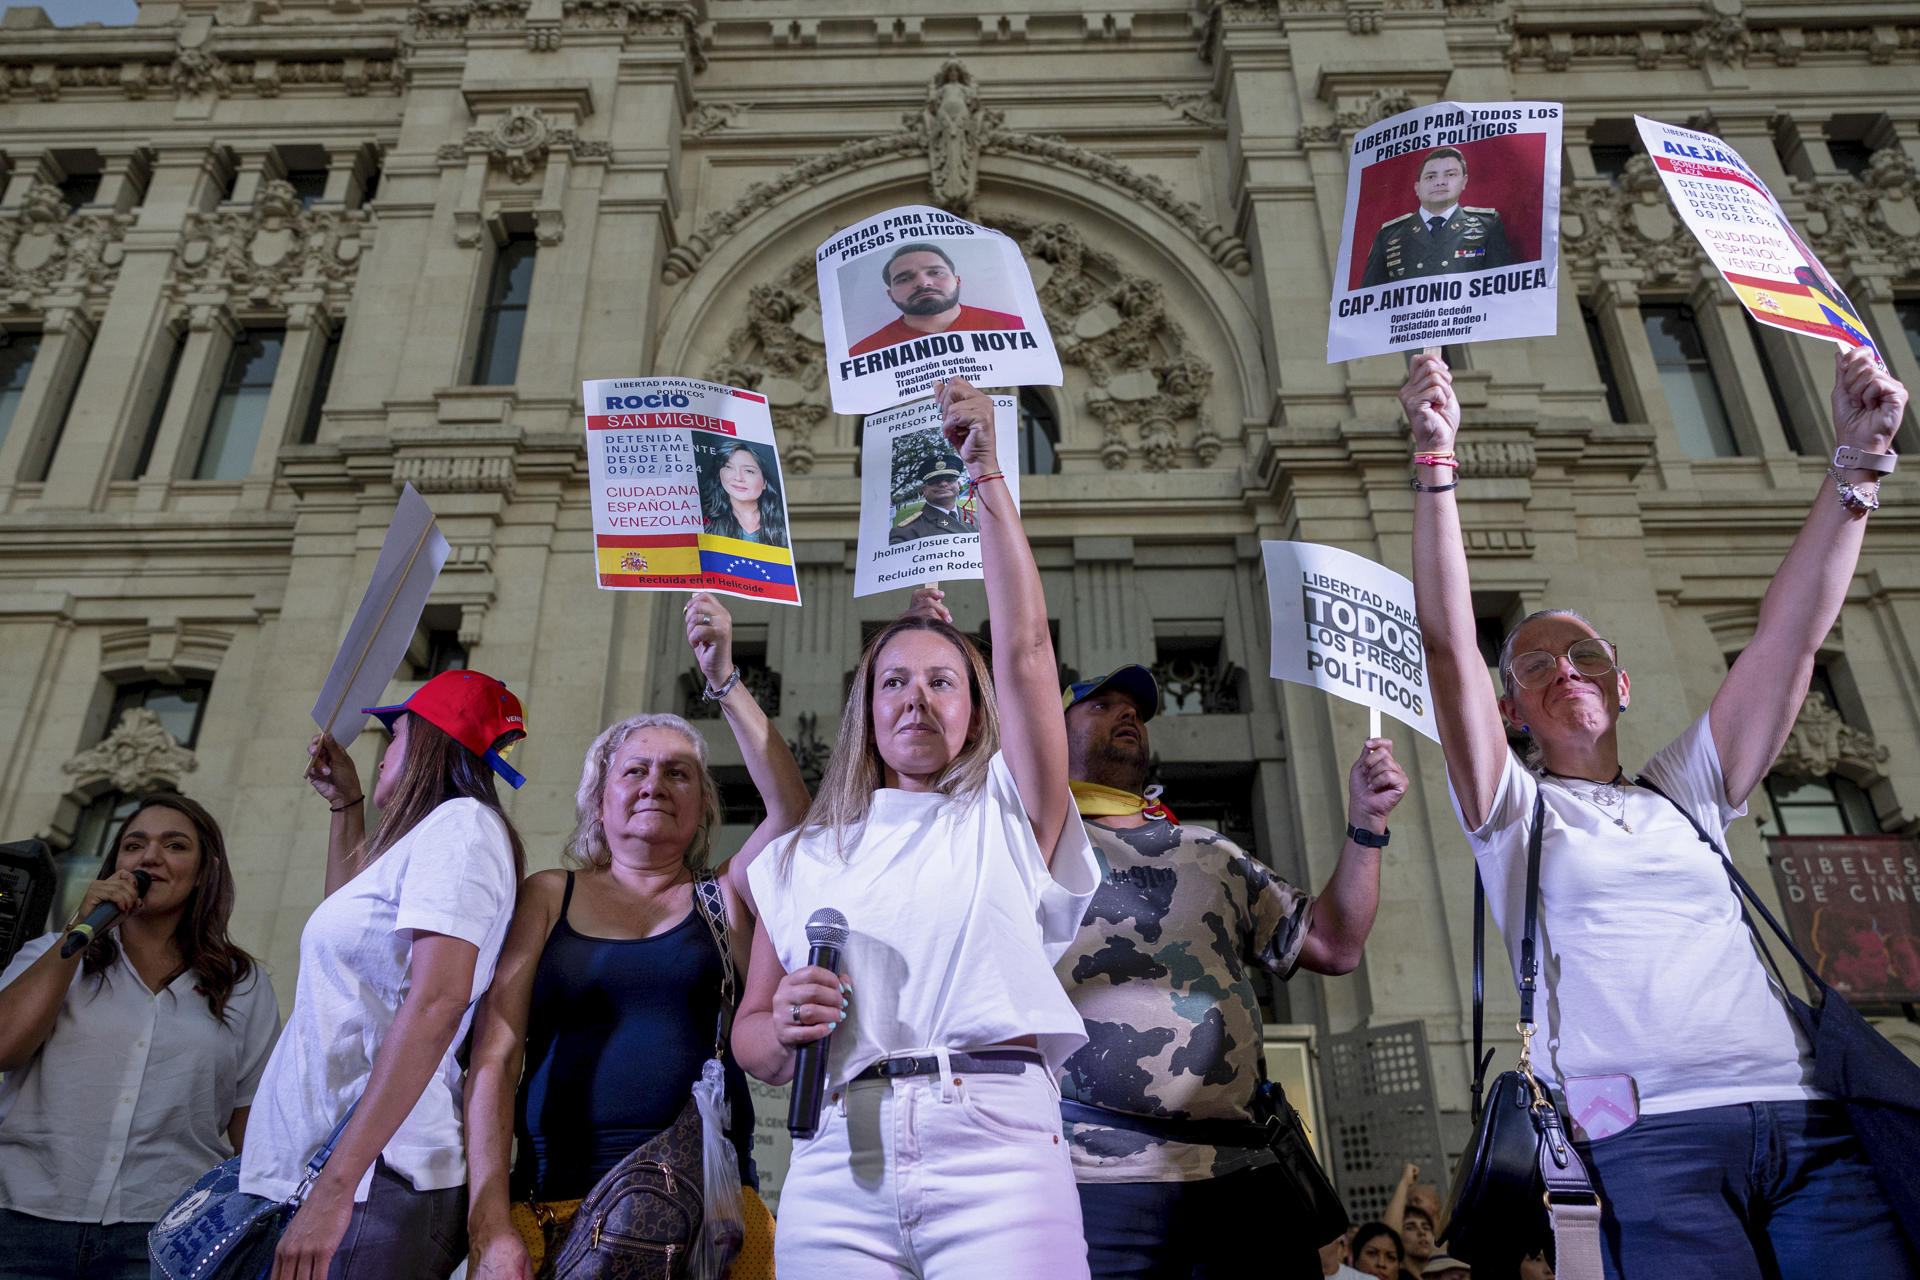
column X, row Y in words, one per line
column 201, row 934
column 855, row 771
column 587, row 848
column 437, row 769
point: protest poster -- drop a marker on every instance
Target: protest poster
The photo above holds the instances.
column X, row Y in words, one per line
column 1852, row 904
column 914, row 295
column 687, row 490
column 411, row 556
column 1452, row 229
column 1346, row 625
column 916, row 508
column 1746, row 234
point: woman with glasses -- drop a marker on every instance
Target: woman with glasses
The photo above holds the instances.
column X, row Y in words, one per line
column 1733, row 1166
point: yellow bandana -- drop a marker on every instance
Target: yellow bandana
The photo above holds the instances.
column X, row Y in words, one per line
column 1096, row 801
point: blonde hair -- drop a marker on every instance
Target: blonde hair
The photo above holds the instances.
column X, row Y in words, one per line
column 855, row 770
column 587, row 848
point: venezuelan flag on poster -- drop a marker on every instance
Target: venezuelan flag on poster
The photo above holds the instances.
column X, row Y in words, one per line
column 1801, row 307
column 733, row 564
column 660, row 561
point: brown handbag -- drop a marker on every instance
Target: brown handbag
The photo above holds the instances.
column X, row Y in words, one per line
column 641, row 1220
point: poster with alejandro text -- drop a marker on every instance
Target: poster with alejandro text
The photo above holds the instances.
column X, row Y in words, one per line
column 687, row 490
column 1452, row 230
column 1746, row 233
column 1345, row 624
column 914, row 295
column 919, row 516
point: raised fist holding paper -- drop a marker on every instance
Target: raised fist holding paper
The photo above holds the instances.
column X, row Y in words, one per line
column 966, row 419
column 1868, row 402
column 1433, row 410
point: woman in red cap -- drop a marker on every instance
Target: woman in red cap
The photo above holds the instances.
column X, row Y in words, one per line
column 390, row 961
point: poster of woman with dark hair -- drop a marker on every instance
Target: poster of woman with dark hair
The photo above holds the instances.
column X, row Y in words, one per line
column 739, row 490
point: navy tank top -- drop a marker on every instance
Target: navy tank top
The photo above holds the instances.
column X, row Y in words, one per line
column 616, row 1037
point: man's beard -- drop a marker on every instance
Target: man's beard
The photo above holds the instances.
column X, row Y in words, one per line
column 930, row 304
column 1115, row 764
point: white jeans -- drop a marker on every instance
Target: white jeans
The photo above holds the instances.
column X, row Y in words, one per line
column 939, row 1178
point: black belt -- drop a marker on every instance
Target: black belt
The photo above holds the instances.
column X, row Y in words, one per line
column 991, row 1062
column 1211, row 1133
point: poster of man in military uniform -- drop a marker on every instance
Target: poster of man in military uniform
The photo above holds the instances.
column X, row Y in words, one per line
column 1443, row 235
column 940, row 479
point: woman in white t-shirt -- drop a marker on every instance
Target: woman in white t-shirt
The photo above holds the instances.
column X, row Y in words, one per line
column 390, row 962
column 1735, row 1167
column 943, row 833
column 130, row 1065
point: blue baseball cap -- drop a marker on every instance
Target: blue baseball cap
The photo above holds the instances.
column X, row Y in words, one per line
column 1131, row 679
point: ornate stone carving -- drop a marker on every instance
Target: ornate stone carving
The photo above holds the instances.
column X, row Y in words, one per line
column 273, row 248
column 1196, row 108
column 520, row 142
column 45, row 248
column 1723, row 39
column 1146, row 381
column 1482, row 459
column 711, row 117
column 195, row 71
column 1875, row 219
column 1629, row 225
column 436, row 22
column 953, row 144
column 454, row 474
column 1821, row 743
column 138, row 756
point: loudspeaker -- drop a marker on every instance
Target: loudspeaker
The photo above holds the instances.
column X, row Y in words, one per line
column 27, row 882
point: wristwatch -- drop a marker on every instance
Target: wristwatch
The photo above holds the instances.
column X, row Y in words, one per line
column 1848, row 458
column 1360, row 835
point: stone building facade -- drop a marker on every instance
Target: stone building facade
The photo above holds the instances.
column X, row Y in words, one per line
column 263, row 261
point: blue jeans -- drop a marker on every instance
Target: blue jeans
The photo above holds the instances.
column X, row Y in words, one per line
column 45, row 1249
column 1234, row 1226
column 1758, row 1191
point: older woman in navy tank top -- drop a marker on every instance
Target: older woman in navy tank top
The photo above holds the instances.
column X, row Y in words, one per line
column 609, row 987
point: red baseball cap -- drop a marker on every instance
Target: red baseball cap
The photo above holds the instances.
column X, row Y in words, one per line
column 474, row 710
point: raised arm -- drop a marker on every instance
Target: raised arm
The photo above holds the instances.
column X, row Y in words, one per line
column 331, row 771
column 1464, row 703
column 30, row 1004
column 1026, row 676
column 1343, row 913
column 1761, row 696
column 769, row 761
column 493, row 1077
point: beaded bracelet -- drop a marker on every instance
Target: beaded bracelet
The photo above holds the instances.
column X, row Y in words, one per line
column 1432, row 488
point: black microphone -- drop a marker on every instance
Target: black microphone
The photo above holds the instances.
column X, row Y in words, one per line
column 826, row 934
column 101, row 918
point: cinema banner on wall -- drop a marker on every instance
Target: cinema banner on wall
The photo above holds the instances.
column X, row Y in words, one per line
column 1746, row 233
column 918, row 514
column 1346, row 625
column 1452, row 229
column 1852, row 903
column 914, row 295
column 687, row 490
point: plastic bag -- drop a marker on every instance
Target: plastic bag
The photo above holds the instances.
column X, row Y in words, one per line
column 724, row 1228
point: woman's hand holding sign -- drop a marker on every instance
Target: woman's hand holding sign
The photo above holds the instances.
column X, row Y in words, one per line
column 966, row 419
column 1432, row 408
column 1867, row 401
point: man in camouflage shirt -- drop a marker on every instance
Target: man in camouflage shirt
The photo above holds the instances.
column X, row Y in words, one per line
column 1159, row 972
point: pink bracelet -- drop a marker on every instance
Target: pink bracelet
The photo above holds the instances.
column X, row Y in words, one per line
column 1423, row 460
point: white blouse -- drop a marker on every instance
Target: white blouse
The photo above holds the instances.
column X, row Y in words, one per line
column 128, row 1101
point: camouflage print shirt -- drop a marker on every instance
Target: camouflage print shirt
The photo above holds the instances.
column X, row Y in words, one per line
column 1159, row 972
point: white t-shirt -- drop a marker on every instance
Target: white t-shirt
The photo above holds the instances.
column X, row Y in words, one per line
column 451, row 874
column 954, row 923
column 1646, row 967
column 127, row 1102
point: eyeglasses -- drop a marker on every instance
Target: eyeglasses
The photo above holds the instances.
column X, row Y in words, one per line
column 1590, row 656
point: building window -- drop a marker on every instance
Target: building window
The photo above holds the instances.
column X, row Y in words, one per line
column 159, row 411
column 1686, row 375
column 1773, row 349
column 1603, row 363
column 240, row 410
column 436, row 644
column 17, row 351
column 1850, row 155
column 1908, row 310
column 79, row 189
column 1039, row 435
column 37, row 466
column 1610, row 159
column 322, row 382
column 309, row 184
column 496, row 362
column 1829, row 806
column 1194, row 676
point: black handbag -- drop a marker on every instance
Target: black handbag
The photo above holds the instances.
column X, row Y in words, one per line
column 1852, row 1061
column 1519, row 1173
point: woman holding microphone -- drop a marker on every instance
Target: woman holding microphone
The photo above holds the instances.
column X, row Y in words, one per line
column 945, row 834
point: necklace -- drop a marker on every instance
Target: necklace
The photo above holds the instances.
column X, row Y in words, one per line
column 1605, row 796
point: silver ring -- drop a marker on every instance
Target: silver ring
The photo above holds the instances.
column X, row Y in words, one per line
column 794, row 1009
column 706, row 619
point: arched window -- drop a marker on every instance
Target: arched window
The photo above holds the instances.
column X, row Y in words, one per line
column 1039, row 435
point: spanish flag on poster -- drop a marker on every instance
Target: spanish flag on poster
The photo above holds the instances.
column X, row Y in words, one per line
column 687, row 490
column 1746, row 233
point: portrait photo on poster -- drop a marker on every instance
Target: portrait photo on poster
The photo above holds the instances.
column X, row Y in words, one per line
column 740, row 489
column 917, row 294
column 1451, row 232
column 919, row 514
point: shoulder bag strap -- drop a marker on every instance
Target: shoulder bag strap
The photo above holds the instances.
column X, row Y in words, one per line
column 712, row 905
column 1483, row 1056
